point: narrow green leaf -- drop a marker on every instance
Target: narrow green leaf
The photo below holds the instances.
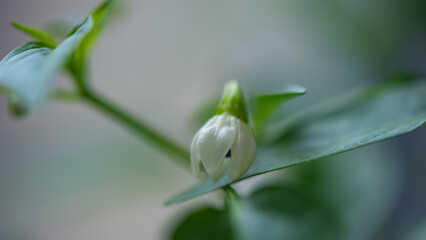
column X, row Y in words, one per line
column 101, row 10
column 266, row 104
column 370, row 115
column 28, row 71
column 37, row 34
column 77, row 64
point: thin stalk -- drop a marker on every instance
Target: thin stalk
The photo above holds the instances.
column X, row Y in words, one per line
column 136, row 126
column 65, row 95
column 231, row 196
column 233, row 203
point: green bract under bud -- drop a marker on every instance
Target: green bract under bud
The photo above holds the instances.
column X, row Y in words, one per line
column 232, row 101
column 226, row 142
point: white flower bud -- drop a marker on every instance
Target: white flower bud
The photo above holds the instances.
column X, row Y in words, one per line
column 226, row 141
column 210, row 148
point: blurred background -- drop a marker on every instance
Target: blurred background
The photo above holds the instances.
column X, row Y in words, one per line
column 68, row 172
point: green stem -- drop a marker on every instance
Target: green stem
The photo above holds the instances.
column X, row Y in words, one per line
column 232, row 202
column 141, row 129
column 231, row 196
column 64, row 95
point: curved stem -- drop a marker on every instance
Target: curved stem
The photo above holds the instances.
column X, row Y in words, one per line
column 141, row 129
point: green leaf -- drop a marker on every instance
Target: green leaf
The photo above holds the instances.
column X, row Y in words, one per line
column 418, row 232
column 286, row 212
column 365, row 193
column 266, row 103
column 342, row 124
column 204, row 223
column 27, row 72
column 307, row 200
column 38, row 34
column 77, row 64
column 273, row 212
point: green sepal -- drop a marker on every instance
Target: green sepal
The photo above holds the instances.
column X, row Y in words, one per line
column 232, row 101
column 37, row 34
column 77, row 64
column 267, row 103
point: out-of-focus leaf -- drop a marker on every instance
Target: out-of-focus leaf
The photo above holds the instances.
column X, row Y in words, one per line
column 265, row 104
column 418, row 232
column 369, row 116
column 365, row 193
column 205, row 223
column 27, row 71
column 306, row 202
column 38, row 34
column 285, row 212
column 274, row 212
column 77, row 63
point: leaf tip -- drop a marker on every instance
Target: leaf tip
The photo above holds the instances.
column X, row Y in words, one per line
column 16, row 25
column 297, row 89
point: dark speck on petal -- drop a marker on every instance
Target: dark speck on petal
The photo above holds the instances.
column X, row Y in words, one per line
column 229, row 153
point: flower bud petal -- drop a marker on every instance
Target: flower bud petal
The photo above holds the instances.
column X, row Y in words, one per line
column 221, row 170
column 197, row 166
column 215, row 141
column 225, row 137
column 203, row 142
column 226, row 141
column 200, row 138
column 243, row 151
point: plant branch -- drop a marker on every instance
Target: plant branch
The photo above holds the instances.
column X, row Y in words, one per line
column 141, row 129
column 233, row 204
column 231, row 196
column 65, row 95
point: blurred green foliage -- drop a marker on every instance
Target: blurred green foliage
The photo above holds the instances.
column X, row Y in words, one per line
column 27, row 72
column 315, row 202
column 340, row 124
